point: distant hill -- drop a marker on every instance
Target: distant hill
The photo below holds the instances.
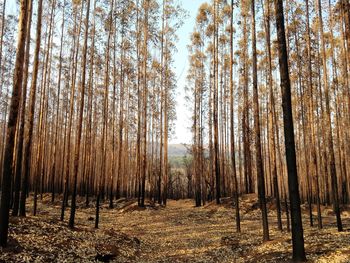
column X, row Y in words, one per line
column 177, row 150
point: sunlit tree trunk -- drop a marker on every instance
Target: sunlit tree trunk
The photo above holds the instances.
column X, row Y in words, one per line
column 144, row 96
column 333, row 170
column 12, row 123
column 28, row 139
column 271, row 116
column 80, row 121
column 19, row 149
column 259, row 162
column 215, row 108
column 232, row 131
column 55, row 152
column 74, row 57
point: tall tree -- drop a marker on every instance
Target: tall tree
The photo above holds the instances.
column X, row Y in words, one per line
column 59, row 81
column 19, row 153
column 215, row 104
column 146, row 5
column 333, row 170
column 80, row 121
column 259, row 162
column 12, row 123
column 232, row 131
column 297, row 227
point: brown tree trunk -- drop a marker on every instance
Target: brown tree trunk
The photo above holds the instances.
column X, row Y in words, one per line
column 232, row 131
column 80, row 121
column 12, row 123
column 333, row 170
column 27, row 169
column 311, row 126
column 55, row 153
column 272, row 120
column 215, row 110
column 19, row 153
column 74, row 59
column 259, row 163
column 144, row 95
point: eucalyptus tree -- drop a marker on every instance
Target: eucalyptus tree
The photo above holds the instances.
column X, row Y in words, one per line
column 12, row 123
column 297, row 227
column 21, row 121
column 258, row 158
column 80, row 121
column 28, row 139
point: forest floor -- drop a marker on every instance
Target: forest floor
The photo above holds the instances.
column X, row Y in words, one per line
column 178, row 232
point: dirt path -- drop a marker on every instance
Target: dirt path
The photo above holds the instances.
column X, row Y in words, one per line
column 178, row 233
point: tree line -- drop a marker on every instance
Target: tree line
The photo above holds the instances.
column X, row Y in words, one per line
column 88, row 106
column 249, row 135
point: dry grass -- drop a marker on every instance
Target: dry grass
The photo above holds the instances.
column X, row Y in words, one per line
column 178, row 233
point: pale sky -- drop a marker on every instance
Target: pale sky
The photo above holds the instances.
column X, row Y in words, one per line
column 183, row 123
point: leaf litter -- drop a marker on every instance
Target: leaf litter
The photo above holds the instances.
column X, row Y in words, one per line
column 176, row 233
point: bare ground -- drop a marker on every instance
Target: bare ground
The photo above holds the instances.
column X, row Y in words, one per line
column 178, row 232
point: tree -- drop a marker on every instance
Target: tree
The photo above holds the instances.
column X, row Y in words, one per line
column 30, row 118
column 80, row 121
column 215, row 105
column 232, row 131
column 332, row 165
column 272, row 114
column 59, row 81
column 259, row 163
column 297, row 227
column 12, row 123
column 18, row 169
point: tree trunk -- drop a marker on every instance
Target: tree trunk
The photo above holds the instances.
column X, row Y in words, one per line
column 232, row 131
column 27, row 169
column 12, row 123
column 297, row 227
column 19, row 153
column 80, row 121
column 333, row 170
column 259, row 163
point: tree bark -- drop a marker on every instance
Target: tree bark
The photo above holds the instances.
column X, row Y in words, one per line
column 80, row 121
column 12, row 123
column 297, row 227
column 259, row 163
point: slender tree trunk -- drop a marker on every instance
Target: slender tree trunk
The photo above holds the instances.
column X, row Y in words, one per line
column 312, row 140
column 89, row 147
column 55, row 153
column 27, row 169
column 80, row 121
column 232, row 131
column 259, row 163
column 12, row 123
column 215, row 111
column 333, row 170
column 19, row 153
column 74, row 57
column 145, row 95
column 271, row 120
column 121, row 123
column 101, row 180
column 246, row 116
column 3, row 22
column 297, row 227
